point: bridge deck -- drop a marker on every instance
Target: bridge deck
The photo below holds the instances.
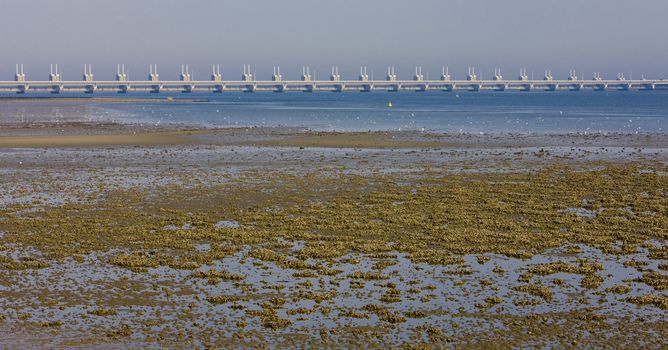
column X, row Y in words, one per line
column 327, row 85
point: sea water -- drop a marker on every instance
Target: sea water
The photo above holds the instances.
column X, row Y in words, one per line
column 441, row 112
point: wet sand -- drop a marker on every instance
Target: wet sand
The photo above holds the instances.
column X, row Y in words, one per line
column 51, row 141
column 236, row 238
column 92, row 134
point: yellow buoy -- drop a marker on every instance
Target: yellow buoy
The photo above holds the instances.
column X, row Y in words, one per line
column 389, row 104
column 170, row 99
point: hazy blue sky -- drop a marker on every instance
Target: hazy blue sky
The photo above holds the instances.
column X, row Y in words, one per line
column 605, row 35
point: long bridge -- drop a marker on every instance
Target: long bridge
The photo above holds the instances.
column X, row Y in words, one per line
column 248, row 83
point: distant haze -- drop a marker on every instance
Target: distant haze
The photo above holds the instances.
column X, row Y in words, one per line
column 609, row 36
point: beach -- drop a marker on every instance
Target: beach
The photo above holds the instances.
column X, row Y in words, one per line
column 157, row 236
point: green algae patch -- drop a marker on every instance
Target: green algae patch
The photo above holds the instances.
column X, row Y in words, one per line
column 449, row 215
column 369, row 276
column 656, row 280
column 223, row 299
column 138, row 261
column 619, row 289
column 216, row 274
column 103, row 312
column 435, row 258
column 50, row 324
column 583, row 267
column 489, row 302
column 123, row 331
column 391, row 295
column 304, row 227
column 318, row 297
column 659, row 301
column 352, row 313
column 23, row 264
column 536, row 290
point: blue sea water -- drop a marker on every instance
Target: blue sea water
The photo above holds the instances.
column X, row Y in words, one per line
column 451, row 112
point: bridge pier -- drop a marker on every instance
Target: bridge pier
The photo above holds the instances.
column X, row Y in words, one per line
column 56, row 89
column 445, row 74
column 335, row 76
column 54, row 76
column 600, row 87
column 250, row 88
column 364, row 77
column 576, row 87
column 186, row 77
column 153, row 73
column 20, row 74
column 280, row 87
column 448, row 87
column 122, row 77
column 247, row 75
column 391, row 75
column 277, row 74
column 88, row 73
column 89, row 78
column 215, row 75
column 153, row 76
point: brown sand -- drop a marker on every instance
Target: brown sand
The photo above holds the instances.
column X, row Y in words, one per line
column 217, row 136
column 77, row 134
column 349, row 140
column 158, row 138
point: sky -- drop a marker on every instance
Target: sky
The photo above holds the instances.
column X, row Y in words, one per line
column 608, row 36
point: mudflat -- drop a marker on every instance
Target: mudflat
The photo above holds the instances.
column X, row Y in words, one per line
column 91, row 134
column 215, row 238
column 50, row 141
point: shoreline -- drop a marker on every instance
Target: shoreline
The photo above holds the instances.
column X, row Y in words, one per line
column 62, row 141
column 83, row 134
